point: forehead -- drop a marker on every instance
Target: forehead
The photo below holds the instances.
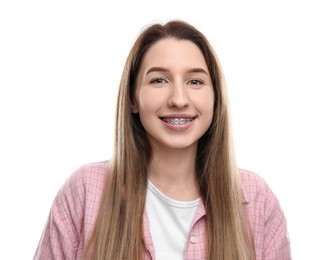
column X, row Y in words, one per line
column 173, row 52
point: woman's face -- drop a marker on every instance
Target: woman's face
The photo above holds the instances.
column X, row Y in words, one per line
column 174, row 94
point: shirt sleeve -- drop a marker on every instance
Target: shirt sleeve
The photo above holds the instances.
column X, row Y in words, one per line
column 276, row 243
column 56, row 242
column 61, row 235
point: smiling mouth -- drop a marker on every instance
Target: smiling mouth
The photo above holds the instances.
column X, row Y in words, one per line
column 177, row 121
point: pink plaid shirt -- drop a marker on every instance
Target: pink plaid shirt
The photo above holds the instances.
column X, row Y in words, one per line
column 76, row 205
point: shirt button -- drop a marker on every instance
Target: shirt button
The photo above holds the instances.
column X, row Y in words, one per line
column 194, row 239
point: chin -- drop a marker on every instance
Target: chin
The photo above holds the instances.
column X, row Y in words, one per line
column 182, row 145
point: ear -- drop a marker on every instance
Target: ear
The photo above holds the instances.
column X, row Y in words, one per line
column 134, row 107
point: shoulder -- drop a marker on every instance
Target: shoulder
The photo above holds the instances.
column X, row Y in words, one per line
column 261, row 202
column 77, row 202
column 73, row 213
column 86, row 179
column 253, row 185
column 89, row 176
column 82, row 192
column 266, row 216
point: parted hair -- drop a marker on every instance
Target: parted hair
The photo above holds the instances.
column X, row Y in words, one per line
column 118, row 230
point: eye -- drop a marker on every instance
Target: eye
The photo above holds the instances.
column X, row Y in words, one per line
column 195, row 82
column 158, row 81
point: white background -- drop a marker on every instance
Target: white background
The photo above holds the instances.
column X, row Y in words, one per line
column 60, row 65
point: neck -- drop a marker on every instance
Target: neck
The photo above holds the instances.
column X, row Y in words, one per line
column 173, row 173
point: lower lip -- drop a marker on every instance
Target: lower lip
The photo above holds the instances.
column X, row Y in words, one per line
column 178, row 128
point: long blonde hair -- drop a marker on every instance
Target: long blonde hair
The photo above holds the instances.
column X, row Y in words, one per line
column 118, row 231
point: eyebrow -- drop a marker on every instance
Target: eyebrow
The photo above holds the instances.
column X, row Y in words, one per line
column 157, row 69
column 161, row 69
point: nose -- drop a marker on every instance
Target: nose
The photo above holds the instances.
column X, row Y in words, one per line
column 178, row 96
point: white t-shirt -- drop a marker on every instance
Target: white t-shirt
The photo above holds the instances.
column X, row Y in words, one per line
column 170, row 221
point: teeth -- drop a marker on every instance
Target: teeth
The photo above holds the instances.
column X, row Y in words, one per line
column 177, row 121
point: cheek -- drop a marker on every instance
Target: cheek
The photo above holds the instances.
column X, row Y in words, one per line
column 206, row 102
column 206, row 106
column 147, row 101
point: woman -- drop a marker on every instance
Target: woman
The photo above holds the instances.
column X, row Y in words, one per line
column 172, row 189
